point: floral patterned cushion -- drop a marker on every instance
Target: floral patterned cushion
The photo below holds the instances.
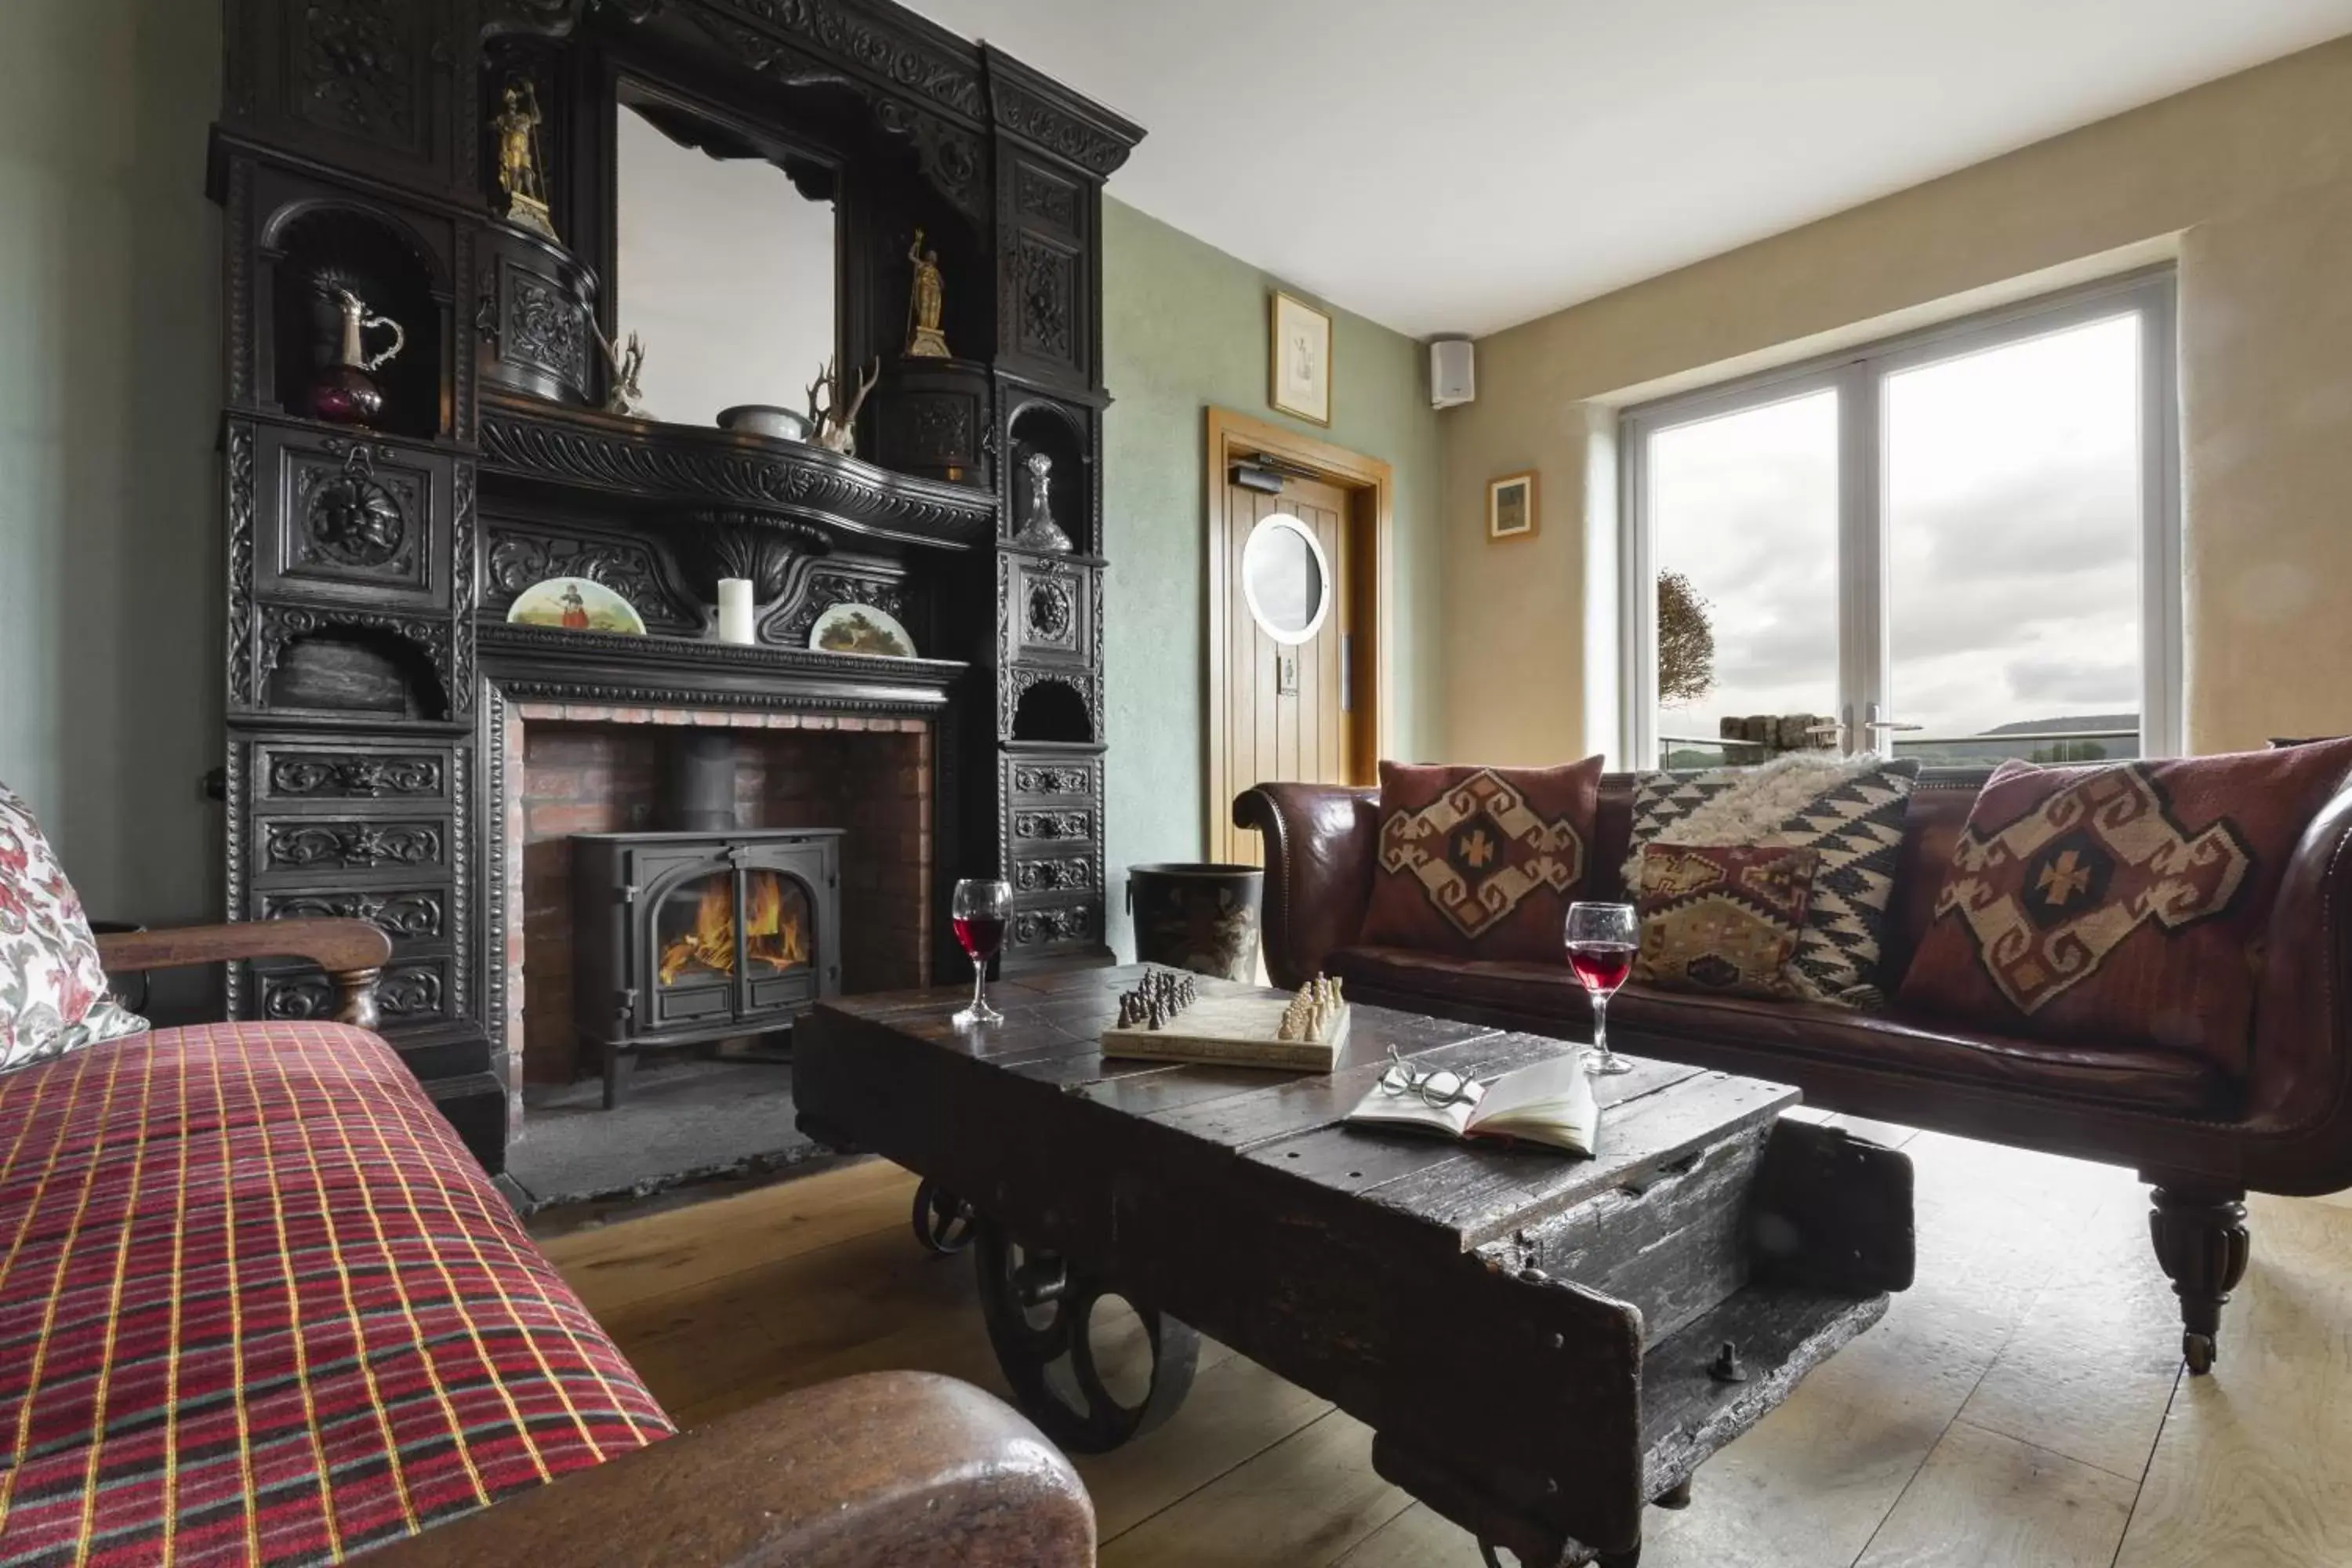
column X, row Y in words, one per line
column 52, row 987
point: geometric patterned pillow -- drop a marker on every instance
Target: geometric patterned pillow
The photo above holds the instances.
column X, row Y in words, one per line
column 2129, row 902
column 1848, row 810
column 1720, row 919
column 1482, row 862
column 52, row 987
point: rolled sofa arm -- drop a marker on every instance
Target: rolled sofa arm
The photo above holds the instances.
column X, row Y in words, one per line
column 1320, row 841
column 352, row 953
column 2299, row 1076
column 878, row 1470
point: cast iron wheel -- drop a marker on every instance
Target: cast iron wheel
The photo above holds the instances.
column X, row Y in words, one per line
column 2197, row 1350
column 1040, row 1315
column 943, row 1221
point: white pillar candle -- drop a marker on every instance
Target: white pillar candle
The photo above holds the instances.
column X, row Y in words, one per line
column 735, row 610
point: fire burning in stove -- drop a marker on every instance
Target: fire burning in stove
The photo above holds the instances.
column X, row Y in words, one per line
column 773, row 929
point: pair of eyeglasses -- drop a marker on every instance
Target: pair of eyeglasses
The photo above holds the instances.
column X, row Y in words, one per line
column 1435, row 1089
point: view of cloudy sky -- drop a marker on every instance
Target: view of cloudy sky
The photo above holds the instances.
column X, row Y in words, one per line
column 2013, row 501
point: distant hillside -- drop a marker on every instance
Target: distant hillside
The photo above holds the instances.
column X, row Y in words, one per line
column 2067, row 726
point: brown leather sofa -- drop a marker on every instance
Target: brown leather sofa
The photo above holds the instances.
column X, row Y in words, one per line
column 2199, row 1136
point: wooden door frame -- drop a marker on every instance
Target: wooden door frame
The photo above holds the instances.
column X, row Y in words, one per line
column 1369, row 485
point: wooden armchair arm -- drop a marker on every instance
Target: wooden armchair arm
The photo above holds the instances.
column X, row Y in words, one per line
column 878, row 1470
column 352, row 953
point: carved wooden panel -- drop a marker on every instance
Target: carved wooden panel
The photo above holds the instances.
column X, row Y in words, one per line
column 521, row 553
column 1067, row 925
column 355, row 519
column 412, row 916
column 1046, row 301
column 410, row 993
column 1069, row 874
column 539, row 329
column 823, row 587
column 1046, row 608
column 368, row 82
column 294, row 773
column 1050, row 780
column 1052, row 827
column 1042, row 197
column 286, row 846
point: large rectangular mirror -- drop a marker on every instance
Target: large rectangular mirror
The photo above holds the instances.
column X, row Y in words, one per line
column 726, row 257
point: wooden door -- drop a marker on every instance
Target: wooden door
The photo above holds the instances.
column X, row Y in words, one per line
column 1289, row 630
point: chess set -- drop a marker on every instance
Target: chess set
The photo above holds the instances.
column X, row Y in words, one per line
column 1165, row 1018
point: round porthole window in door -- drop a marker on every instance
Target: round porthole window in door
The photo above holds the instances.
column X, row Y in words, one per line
column 1287, row 579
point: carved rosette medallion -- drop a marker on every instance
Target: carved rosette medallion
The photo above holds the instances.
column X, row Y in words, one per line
column 1052, row 611
column 353, row 519
column 357, row 68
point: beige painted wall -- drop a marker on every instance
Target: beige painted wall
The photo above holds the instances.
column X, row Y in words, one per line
column 2247, row 180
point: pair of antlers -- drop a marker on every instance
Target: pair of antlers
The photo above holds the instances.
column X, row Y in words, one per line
column 829, row 383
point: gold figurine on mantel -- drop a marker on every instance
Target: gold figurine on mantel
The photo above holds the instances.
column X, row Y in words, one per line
column 925, row 305
column 518, row 160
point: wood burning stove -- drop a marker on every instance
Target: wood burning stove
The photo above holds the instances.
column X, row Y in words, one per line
column 688, row 937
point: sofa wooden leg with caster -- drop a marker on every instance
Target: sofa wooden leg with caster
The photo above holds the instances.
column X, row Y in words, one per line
column 2200, row 1232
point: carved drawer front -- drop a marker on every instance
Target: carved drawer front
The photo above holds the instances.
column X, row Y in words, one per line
column 1051, row 608
column 1053, row 780
column 1053, row 874
column 1040, row 929
column 411, row 991
column 419, row 919
column 357, row 520
column 331, row 776
column 1037, row 826
column 315, row 847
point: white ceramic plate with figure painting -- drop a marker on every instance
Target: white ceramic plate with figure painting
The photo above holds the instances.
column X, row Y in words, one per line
column 576, row 603
column 861, row 628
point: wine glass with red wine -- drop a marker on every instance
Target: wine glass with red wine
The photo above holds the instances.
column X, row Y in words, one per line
column 1602, row 942
column 978, row 912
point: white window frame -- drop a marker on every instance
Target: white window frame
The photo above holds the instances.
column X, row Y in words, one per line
column 1859, row 374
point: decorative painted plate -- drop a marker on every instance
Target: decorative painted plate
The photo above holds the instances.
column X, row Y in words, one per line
column 576, row 603
column 861, row 628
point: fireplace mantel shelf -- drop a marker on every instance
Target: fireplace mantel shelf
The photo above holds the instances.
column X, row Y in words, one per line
column 526, row 662
column 680, row 469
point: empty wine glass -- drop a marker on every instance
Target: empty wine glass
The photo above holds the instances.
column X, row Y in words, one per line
column 978, row 912
column 1602, row 942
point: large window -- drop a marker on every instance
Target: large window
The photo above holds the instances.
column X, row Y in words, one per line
column 1961, row 545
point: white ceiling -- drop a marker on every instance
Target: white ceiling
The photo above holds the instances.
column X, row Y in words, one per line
column 1462, row 166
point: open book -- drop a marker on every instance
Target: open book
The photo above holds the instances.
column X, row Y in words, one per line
column 1548, row 1102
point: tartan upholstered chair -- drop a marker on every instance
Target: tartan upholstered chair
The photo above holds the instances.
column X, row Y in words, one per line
column 258, row 1304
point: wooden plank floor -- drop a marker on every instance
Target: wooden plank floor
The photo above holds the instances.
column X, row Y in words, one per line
column 2022, row 1407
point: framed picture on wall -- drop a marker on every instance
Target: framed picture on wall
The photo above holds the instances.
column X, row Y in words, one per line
column 1511, row 506
column 1301, row 352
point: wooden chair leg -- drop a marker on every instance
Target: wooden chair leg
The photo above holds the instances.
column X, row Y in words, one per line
column 2200, row 1232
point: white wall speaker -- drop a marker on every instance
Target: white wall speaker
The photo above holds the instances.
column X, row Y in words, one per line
column 1453, row 373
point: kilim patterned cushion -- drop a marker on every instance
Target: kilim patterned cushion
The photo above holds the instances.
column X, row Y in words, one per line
column 2127, row 903
column 1848, row 811
column 259, row 1305
column 1722, row 920
column 1482, row 862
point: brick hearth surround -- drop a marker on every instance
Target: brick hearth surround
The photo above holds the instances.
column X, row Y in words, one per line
column 588, row 768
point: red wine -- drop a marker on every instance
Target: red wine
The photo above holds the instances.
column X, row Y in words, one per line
column 981, row 935
column 1601, row 966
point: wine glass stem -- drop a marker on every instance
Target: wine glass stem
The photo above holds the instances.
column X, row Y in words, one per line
column 1601, row 1023
column 979, row 983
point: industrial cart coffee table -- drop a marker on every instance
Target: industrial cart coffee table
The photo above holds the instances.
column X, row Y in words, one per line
column 1542, row 1345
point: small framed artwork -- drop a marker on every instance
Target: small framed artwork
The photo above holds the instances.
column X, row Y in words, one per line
column 1511, row 506
column 1302, row 361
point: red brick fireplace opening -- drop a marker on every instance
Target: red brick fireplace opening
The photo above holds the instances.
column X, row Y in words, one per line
column 583, row 768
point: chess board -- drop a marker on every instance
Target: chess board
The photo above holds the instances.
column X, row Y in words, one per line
column 1235, row 1031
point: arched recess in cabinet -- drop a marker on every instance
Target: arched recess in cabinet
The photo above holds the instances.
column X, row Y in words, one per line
column 320, row 255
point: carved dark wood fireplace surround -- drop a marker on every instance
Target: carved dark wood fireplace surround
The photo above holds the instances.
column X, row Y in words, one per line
column 371, row 670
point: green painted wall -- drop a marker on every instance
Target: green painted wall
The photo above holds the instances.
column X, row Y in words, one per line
column 1184, row 328
column 109, row 405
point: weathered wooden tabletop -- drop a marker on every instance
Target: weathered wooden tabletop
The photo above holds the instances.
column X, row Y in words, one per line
column 1493, row 1312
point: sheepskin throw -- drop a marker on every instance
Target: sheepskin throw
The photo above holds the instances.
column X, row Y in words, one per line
column 1849, row 810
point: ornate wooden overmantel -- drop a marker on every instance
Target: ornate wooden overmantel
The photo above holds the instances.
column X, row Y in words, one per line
column 367, row 572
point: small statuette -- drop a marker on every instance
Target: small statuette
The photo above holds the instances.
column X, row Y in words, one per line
column 519, row 161
column 925, row 304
